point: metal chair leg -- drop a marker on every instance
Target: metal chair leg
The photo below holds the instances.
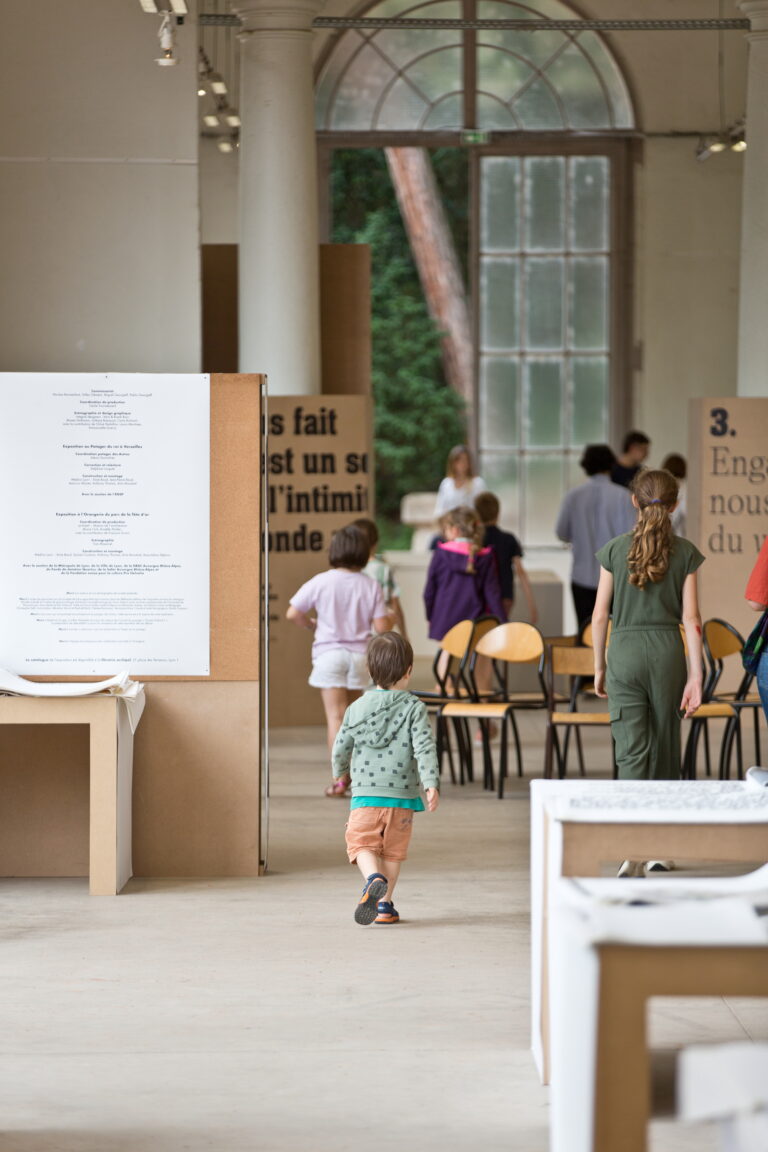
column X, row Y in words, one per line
column 724, row 772
column 518, row 748
column 580, row 753
column 461, row 751
column 468, row 744
column 756, row 718
column 548, row 752
column 503, row 759
column 707, row 759
column 487, row 760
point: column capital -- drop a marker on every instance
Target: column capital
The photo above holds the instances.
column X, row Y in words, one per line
column 756, row 12
column 276, row 15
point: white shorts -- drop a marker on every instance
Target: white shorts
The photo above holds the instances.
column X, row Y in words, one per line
column 340, row 668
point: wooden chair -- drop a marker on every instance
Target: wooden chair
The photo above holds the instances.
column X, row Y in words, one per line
column 582, row 686
column 448, row 668
column 578, row 663
column 506, row 645
column 720, row 641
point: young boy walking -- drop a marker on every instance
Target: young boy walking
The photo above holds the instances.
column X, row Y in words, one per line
column 386, row 745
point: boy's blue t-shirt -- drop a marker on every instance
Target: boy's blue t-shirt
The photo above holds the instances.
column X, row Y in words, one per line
column 386, row 802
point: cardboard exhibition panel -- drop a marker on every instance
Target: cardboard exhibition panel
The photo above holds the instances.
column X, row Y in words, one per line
column 728, row 500
column 320, row 477
column 197, row 783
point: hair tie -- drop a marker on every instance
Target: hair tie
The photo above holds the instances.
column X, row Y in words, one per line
column 655, row 501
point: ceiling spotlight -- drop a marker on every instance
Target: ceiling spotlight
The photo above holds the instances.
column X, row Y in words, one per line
column 231, row 117
column 166, row 37
column 703, row 149
column 738, row 142
column 178, row 7
column 201, row 91
column 211, row 120
column 707, row 148
column 217, row 84
column 225, row 146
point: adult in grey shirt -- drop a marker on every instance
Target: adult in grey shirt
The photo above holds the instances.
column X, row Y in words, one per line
column 589, row 517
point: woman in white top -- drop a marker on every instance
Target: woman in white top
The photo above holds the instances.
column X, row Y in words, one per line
column 460, row 485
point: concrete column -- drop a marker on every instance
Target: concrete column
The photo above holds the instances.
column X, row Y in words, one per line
column 279, row 305
column 753, row 300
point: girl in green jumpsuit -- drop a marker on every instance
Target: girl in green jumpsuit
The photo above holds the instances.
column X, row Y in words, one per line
column 650, row 575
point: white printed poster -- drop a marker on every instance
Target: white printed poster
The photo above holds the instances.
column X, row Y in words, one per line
column 104, row 524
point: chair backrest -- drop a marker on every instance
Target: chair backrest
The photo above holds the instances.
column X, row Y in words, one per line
column 586, row 635
column 721, row 640
column 457, row 639
column 572, row 661
column 515, row 643
column 561, row 641
column 483, row 626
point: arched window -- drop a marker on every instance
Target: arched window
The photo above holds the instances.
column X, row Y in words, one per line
column 548, row 294
column 406, row 79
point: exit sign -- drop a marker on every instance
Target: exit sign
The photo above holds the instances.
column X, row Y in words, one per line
column 475, row 137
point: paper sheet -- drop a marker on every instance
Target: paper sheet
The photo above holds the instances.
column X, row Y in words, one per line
column 129, row 691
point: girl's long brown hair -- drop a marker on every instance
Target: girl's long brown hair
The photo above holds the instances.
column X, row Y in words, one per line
column 651, row 547
column 468, row 523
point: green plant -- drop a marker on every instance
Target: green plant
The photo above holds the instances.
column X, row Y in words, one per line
column 417, row 418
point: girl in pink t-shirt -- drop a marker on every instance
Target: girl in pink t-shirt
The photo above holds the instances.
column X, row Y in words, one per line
column 342, row 606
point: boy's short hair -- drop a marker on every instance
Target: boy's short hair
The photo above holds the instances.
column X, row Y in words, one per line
column 633, row 438
column 487, row 507
column 597, row 459
column 369, row 528
column 349, row 548
column 389, row 657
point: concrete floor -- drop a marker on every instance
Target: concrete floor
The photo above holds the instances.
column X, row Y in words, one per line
column 256, row 1015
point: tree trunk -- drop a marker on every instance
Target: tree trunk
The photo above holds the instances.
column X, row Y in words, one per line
column 437, row 263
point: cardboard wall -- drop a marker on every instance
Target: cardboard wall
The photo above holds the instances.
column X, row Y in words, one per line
column 307, row 433
column 197, row 783
column 728, row 500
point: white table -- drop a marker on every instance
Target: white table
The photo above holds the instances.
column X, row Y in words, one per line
column 609, row 958
column 577, row 825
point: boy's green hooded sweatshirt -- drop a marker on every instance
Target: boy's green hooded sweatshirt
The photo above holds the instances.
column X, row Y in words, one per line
column 385, row 744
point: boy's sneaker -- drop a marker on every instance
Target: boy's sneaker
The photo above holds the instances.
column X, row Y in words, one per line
column 367, row 907
column 657, row 866
column 629, row 869
column 388, row 914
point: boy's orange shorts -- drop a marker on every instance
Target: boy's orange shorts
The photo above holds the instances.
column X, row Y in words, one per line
column 385, row 831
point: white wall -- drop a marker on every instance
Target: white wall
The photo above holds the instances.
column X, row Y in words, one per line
column 219, row 212
column 99, row 222
column 688, row 217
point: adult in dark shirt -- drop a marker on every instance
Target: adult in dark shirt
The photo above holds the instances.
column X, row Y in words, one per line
column 633, row 455
column 508, row 552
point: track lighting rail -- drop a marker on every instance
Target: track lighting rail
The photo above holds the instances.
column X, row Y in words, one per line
column 586, row 25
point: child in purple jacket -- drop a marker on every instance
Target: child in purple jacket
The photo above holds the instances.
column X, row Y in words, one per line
column 463, row 580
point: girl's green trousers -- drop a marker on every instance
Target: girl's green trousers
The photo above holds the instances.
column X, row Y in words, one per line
column 645, row 680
